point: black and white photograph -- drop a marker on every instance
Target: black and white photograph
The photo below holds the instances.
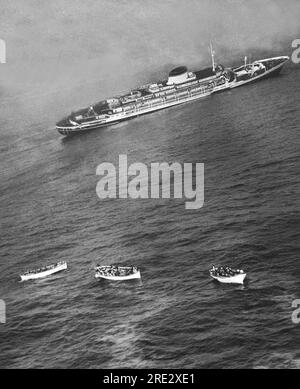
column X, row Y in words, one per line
column 149, row 190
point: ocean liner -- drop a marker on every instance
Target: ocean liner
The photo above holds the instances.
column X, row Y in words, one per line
column 182, row 86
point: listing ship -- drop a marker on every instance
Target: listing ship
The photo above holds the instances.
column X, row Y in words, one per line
column 182, row 86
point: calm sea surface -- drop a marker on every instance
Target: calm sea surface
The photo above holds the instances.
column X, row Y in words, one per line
column 176, row 316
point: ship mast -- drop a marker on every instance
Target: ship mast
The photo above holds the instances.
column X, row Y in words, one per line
column 212, row 53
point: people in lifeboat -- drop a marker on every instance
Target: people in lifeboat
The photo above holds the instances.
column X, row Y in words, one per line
column 225, row 271
column 42, row 269
column 116, row 271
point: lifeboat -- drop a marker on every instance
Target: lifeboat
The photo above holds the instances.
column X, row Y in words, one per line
column 227, row 275
column 44, row 271
column 117, row 273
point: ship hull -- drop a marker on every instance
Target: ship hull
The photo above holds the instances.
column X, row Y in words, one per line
column 66, row 131
column 203, row 89
column 268, row 74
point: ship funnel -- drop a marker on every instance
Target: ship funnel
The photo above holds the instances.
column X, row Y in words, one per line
column 178, row 76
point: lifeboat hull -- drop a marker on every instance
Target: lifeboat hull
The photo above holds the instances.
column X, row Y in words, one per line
column 236, row 279
column 136, row 275
column 34, row 276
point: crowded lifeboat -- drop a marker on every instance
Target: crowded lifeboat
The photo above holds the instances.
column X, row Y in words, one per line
column 227, row 275
column 43, row 271
column 117, row 273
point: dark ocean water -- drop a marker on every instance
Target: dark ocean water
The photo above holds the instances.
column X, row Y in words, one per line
column 176, row 316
